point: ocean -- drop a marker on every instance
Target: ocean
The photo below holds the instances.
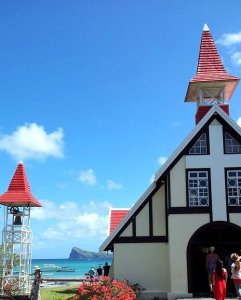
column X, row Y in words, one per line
column 69, row 268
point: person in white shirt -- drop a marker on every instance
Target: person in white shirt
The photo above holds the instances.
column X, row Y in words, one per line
column 236, row 273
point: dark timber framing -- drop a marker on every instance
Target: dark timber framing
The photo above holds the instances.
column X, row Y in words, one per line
column 165, row 179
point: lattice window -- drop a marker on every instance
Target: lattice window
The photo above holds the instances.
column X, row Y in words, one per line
column 198, row 192
column 234, row 187
column 231, row 145
column 200, row 147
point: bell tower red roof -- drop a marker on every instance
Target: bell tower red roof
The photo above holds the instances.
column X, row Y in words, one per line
column 210, row 70
column 19, row 192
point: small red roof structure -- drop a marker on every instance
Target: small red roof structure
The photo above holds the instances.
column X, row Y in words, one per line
column 210, row 70
column 116, row 216
column 19, row 192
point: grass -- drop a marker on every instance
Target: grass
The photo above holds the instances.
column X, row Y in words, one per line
column 58, row 293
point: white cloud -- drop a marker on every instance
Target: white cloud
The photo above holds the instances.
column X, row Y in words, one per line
column 88, row 177
column 31, row 141
column 38, row 244
column 72, row 221
column 239, row 121
column 77, row 228
column 229, row 39
column 162, row 160
column 50, row 210
column 112, row 185
column 236, row 58
column 53, row 234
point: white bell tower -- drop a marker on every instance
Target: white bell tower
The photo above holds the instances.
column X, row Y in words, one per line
column 17, row 234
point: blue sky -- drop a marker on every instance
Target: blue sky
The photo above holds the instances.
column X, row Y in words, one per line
column 92, row 101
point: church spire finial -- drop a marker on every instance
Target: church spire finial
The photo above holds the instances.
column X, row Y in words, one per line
column 205, row 27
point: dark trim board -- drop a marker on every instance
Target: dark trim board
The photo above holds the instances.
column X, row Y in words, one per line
column 167, row 201
column 189, row 210
column 234, row 209
column 134, row 226
column 150, row 218
column 142, row 239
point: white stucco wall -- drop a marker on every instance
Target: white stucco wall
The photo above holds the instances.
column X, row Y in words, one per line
column 158, row 212
column 146, row 264
column 181, row 229
column 178, row 183
column 218, row 190
column 142, row 222
column 128, row 231
column 235, row 219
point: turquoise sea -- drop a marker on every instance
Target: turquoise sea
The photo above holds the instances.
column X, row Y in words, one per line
column 79, row 267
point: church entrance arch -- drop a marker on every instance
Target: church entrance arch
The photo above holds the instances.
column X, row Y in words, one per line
column 225, row 237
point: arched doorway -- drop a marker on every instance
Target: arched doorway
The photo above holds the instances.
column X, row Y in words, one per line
column 225, row 237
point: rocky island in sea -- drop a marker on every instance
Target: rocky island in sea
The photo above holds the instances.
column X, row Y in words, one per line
column 84, row 254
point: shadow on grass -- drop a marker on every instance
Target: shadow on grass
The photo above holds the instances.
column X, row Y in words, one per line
column 69, row 291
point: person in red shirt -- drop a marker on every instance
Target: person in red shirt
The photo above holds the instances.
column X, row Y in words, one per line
column 218, row 281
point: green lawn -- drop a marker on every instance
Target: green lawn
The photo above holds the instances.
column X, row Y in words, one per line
column 58, row 293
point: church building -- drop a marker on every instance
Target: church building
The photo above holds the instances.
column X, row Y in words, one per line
column 195, row 200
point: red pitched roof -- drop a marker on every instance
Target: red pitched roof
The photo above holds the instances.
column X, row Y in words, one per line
column 116, row 216
column 19, row 193
column 210, row 69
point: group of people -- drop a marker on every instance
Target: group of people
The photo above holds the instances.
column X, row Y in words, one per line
column 99, row 271
column 218, row 275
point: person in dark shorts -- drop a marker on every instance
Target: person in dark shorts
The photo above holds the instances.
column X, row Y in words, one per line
column 106, row 269
column 99, row 271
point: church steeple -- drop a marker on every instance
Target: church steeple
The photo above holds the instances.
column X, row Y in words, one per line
column 212, row 84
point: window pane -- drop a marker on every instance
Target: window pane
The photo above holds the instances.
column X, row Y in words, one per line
column 200, row 147
column 231, row 145
column 193, row 174
column 198, row 188
column 234, row 187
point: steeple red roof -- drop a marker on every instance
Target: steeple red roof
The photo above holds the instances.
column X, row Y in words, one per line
column 19, row 193
column 210, row 70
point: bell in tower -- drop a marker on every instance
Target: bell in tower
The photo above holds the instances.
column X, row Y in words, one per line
column 17, row 215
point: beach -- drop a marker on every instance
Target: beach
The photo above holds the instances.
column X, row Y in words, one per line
column 67, row 269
